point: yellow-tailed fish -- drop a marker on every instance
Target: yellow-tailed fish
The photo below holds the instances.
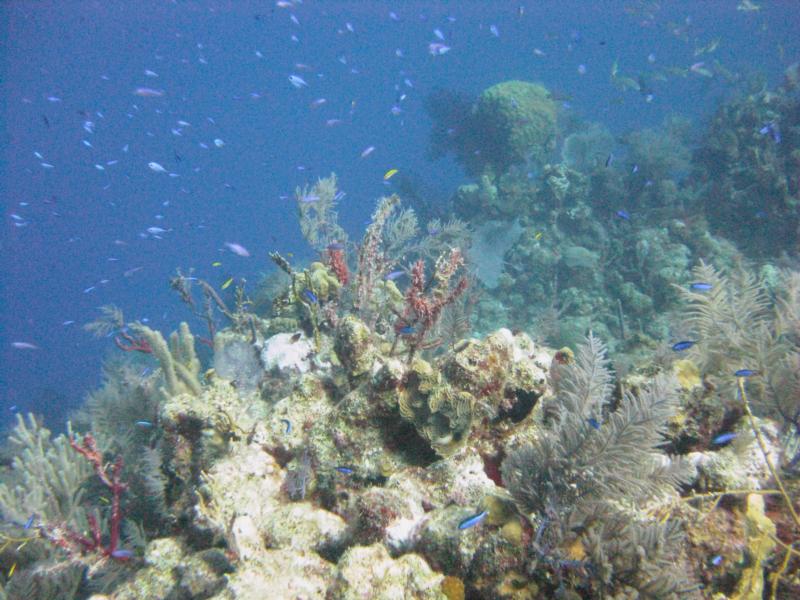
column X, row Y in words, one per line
column 538, row 235
column 216, row 263
column 389, row 174
column 11, row 570
column 227, row 283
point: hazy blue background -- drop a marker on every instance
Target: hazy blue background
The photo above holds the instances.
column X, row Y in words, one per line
column 66, row 63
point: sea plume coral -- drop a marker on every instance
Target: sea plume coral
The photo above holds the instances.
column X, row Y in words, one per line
column 318, row 216
column 578, row 473
column 45, row 478
column 724, row 317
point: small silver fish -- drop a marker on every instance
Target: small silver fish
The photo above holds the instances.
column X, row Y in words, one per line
column 237, row 249
column 297, row 81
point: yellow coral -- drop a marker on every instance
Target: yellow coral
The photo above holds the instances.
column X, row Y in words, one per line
column 323, row 281
column 453, row 588
column 759, row 531
column 575, row 550
column 687, row 373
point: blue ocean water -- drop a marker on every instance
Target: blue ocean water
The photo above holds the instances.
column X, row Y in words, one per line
column 216, row 109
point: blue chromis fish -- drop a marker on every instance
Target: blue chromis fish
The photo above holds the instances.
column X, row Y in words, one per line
column 473, row 520
column 623, row 214
column 345, row 470
column 29, row 522
column 700, row 286
column 288, row 424
column 594, row 423
column 310, row 296
column 684, row 345
column 746, row 372
column 716, row 560
column 724, row 438
column 406, row 330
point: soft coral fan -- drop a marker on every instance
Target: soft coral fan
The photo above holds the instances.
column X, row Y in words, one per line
column 579, row 474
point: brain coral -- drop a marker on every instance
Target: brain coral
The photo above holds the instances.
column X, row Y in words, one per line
column 515, row 121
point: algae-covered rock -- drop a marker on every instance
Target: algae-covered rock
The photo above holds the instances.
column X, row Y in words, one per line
column 481, row 197
column 353, row 346
column 369, row 572
column 438, row 498
column 241, row 493
column 505, row 371
column 157, row 579
column 502, row 376
column 280, row 574
column 171, row 572
column 448, row 548
column 741, row 464
column 301, row 526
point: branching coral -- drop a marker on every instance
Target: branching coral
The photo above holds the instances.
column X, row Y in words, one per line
column 424, row 303
column 111, row 480
column 179, row 362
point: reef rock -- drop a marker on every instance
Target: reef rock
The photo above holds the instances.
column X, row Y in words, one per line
column 369, row 572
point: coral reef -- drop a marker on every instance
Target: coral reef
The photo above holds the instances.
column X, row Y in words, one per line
column 358, row 432
column 748, row 169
